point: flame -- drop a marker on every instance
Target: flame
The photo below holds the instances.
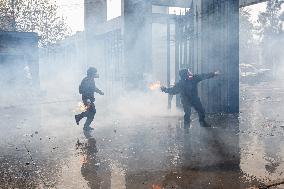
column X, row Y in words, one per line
column 155, row 85
column 83, row 159
column 82, row 107
column 156, row 186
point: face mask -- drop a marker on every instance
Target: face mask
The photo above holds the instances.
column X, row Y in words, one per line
column 96, row 76
column 189, row 75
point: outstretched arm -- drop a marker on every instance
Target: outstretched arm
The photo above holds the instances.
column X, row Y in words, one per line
column 172, row 90
column 201, row 77
column 99, row 91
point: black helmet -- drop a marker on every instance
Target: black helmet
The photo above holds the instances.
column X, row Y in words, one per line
column 185, row 73
column 91, row 72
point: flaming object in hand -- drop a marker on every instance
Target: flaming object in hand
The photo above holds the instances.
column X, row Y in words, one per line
column 155, row 85
column 82, row 107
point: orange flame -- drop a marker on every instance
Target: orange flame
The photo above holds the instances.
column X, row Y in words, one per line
column 82, row 107
column 83, row 159
column 155, row 85
column 156, row 186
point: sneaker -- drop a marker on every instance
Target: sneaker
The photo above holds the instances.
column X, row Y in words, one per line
column 204, row 124
column 77, row 119
column 186, row 125
column 186, row 130
column 88, row 128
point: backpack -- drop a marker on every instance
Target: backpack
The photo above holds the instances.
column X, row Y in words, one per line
column 80, row 89
column 85, row 87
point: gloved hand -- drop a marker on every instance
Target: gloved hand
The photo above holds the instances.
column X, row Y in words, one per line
column 102, row 93
column 163, row 88
column 216, row 73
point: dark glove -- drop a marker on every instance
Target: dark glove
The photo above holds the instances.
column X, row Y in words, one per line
column 216, row 73
column 163, row 88
column 102, row 93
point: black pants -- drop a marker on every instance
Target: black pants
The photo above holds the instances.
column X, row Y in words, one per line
column 196, row 104
column 90, row 112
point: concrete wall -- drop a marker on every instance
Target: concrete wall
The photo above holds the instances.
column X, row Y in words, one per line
column 95, row 12
column 137, row 32
column 95, row 17
column 17, row 50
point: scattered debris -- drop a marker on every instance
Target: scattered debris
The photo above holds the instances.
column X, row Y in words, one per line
column 275, row 183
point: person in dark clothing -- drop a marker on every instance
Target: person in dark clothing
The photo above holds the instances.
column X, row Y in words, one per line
column 87, row 88
column 187, row 88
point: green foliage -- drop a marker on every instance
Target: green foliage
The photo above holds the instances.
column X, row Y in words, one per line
column 248, row 52
column 271, row 34
column 270, row 23
column 38, row 16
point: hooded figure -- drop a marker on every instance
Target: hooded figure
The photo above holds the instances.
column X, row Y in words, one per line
column 87, row 88
column 187, row 88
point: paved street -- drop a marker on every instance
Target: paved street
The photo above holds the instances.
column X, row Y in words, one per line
column 42, row 147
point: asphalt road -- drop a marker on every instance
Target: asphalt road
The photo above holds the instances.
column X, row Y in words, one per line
column 41, row 147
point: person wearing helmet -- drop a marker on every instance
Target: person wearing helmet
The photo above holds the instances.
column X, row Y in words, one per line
column 187, row 88
column 87, row 89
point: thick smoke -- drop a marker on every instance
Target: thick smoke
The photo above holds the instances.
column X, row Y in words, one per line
column 62, row 68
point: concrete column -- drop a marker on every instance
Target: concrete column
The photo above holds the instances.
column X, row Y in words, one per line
column 217, row 48
column 137, row 33
column 95, row 15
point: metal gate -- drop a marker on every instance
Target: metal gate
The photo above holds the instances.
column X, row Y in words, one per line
column 184, row 45
column 184, row 41
column 114, row 67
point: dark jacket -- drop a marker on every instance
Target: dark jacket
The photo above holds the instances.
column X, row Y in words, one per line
column 88, row 87
column 187, row 88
